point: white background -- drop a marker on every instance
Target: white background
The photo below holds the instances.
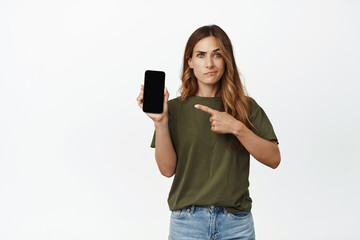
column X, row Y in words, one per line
column 75, row 156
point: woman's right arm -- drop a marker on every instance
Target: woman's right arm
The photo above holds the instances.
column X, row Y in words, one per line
column 164, row 150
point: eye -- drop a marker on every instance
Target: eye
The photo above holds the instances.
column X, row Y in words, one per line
column 219, row 55
column 199, row 54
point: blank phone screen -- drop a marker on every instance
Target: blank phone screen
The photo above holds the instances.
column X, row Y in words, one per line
column 154, row 85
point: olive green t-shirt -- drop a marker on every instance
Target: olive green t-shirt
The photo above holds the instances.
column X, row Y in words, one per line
column 208, row 170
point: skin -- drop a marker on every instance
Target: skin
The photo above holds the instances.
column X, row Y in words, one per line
column 266, row 152
column 206, row 58
column 165, row 155
column 158, row 118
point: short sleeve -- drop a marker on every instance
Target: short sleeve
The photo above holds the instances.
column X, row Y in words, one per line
column 153, row 140
column 262, row 123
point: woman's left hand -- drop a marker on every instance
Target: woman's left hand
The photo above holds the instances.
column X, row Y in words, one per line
column 221, row 122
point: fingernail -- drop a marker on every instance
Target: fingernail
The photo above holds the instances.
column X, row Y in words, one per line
column 196, row 105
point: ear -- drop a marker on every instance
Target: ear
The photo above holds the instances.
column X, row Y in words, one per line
column 190, row 63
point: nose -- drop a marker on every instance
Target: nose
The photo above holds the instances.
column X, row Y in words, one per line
column 209, row 62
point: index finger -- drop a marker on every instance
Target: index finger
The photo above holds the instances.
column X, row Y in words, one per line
column 205, row 109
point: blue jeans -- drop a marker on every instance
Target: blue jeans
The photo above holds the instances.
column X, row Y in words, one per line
column 210, row 223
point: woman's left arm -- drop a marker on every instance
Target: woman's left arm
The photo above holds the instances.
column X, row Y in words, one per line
column 265, row 151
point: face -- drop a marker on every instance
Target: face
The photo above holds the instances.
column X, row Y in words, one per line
column 207, row 61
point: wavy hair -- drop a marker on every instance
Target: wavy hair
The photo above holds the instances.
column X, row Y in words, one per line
column 235, row 99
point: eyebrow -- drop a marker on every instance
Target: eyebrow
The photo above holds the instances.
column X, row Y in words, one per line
column 205, row 52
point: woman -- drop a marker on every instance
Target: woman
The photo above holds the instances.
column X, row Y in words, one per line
column 205, row 137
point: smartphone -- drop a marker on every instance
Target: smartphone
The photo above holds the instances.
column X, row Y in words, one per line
column 154, row 86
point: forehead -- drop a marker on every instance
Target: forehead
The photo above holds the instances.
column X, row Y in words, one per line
column 206, row 44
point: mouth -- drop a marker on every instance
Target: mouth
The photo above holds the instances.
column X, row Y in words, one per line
column 210, row 73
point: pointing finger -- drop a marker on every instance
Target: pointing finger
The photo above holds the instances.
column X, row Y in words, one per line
column 205, row 109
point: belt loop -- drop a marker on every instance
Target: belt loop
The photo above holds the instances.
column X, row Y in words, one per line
column 188, row 208
column 192, row 209
column 225, row 211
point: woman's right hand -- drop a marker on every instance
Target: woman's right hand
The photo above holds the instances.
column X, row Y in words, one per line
column 158, row 118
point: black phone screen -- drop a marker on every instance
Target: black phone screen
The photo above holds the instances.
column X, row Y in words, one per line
column 154, row 84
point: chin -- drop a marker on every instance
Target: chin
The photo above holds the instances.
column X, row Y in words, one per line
column 209, row 82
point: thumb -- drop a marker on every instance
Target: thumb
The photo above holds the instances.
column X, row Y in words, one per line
column 166, row 94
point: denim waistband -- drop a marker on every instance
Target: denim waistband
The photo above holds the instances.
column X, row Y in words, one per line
column 212, row 208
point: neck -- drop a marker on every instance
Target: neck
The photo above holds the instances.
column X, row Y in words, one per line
column 211, row 93
column 208, row 90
